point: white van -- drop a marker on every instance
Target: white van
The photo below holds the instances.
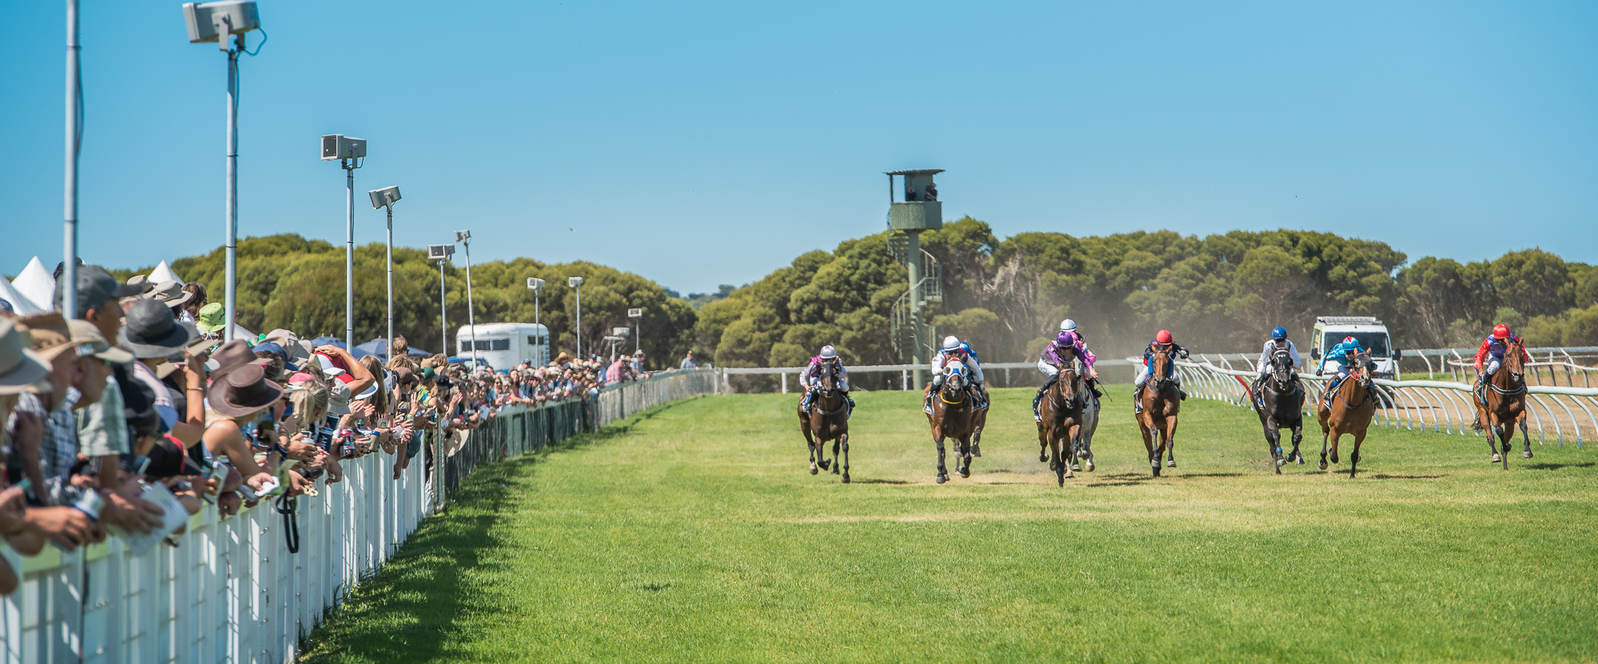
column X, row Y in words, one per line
column 504, row 345
column 1372, row 335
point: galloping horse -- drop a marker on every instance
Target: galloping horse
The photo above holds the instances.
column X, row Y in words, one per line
column 1084, row 434
column 1161, row 403
column 1349, row 411
column 1506, row 404
column 1061, row 411
column 1280, row 404
column 957, row 414
column 828, row 419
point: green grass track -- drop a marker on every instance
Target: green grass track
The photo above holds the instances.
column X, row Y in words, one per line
column 696, row 533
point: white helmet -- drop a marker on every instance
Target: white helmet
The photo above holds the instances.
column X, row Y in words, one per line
column 1067, row 325
column 951, row 342
column 828, row 352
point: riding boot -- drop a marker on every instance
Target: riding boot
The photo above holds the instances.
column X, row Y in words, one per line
column 1093, row 384
column 1137, row 399
column 1037, row 401
column 926, row 403
column 849, row 399
column 1181, row 393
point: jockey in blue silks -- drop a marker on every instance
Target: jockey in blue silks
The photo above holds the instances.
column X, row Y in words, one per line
column 1343, row 354
column 955, row 349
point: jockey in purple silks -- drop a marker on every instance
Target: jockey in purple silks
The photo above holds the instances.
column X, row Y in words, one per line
column 810, row 378
column 1047, row 361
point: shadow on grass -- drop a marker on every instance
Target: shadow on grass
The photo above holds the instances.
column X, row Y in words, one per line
column 1543, row 465
column 878, row 481
column 422, row 596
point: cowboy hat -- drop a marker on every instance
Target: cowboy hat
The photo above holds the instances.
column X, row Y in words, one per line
column 170, row 293
column 150, row 330
column 20, row 367
column 242, row 391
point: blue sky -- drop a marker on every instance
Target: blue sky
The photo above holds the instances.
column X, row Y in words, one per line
column 708, row 143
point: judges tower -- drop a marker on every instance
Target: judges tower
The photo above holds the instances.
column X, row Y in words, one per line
column 917, row 210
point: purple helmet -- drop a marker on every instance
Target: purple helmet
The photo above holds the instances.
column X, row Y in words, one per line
column 1066, row 339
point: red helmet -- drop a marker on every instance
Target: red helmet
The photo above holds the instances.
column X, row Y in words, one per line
column 1349, row 340
column 1162, row 337
column 1500, row 331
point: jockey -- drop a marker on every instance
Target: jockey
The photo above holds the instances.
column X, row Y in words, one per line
column 1491, row 353
column 1343, row 353
column 810, row 379
column 955, row 349
column 1277, row 342
column 1049, row 360
column 1162, row 340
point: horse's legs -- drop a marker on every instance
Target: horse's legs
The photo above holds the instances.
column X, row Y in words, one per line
column 1524, row 436
column 1326, row 433
column 845, row 439
column 1353, row 458
column 943, row 473
column 1148, row 444
column 1169, row 440
column 1298, row 436
column 1043, row 442
column 810, row 442
column 1273, row 441
column 1337, row 436
column 1494, row 433
column 962, row 460
column 836, row 443
column 1057, row 460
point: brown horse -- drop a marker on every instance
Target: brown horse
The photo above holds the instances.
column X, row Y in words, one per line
column 1506, row 404
column 828, row 419
column 1161, row 404
column 1061, row 411
column 957, row 414
column 1349, row 411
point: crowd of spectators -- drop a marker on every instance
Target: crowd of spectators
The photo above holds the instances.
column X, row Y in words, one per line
column 136, row 415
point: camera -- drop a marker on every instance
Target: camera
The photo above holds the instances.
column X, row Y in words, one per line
column 89, row 502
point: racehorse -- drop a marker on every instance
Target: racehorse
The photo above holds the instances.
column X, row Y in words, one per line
column 1084, row 434
column 1506, row 404
column 1349, row 411
column 828, row 419
column 1280, row 404
column 1061, row 411
column 957, row 414
column 1161, row 404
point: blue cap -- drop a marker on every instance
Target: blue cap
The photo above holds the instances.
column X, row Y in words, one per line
column 270, row 347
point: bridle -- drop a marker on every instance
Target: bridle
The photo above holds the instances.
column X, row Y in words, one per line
column 1065, row 388
column 1513, row 353
column 1163, row 378
column 955, row 383
column 1361, row 376
column 1282, row 370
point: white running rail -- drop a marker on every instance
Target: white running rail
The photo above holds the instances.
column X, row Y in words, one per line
column 1558, row 413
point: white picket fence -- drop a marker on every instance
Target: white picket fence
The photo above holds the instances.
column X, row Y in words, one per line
column 1557, row 413
column 231, row 591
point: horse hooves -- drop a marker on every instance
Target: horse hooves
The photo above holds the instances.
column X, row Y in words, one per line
column 1334, row 458
column 965, row 472
column 942, row 478
column 1323, row 464
column 1278, row 469
column 976, row 451
column 846, row 478
column 1526, row 454
column 1496, row 458
column 825, row 465
column 1043, row 458
column 1076, row 467
column 1090, row 465
column 1156, row 470
column 836, row 468
column 1171, row 463
column 1300, row 458
column 813, row 469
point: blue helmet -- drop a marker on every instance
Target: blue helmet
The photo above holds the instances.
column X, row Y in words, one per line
column 1279, row 333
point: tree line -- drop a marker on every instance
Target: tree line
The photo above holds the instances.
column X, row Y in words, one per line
column 291, row 282
column 1219, row 292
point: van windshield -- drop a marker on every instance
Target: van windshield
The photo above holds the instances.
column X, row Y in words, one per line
column 1375, row 342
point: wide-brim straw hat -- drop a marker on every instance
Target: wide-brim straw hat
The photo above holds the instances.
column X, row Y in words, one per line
column 20, row 367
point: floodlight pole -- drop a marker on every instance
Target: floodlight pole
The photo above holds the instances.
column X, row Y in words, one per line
column 388, row 346
column 443, row 314
column 69, row 264
column 349, row 253
column 471, row 318
column 579, row 322
column 231, row 282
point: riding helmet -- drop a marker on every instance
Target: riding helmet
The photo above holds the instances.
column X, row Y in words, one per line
column 951, row 342
column 828, row 352
column 1350, row 340
column 1500, row 331
column 1067, row 325
column 1162, row 337
column 1279, row 333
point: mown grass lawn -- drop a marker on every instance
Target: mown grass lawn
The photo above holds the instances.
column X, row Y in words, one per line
column 697, row 533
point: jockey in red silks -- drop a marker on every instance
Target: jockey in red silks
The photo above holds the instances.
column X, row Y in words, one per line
column 810, row 379
column 1491, row 356
column 1162, row 341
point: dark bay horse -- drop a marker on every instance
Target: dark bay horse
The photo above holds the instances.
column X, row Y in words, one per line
column 1506, row 404
column 1161, row 404
column 1349, row 411
column 1281, row 404
column 828, row 419
column 1061, row 411
column 957, row 414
